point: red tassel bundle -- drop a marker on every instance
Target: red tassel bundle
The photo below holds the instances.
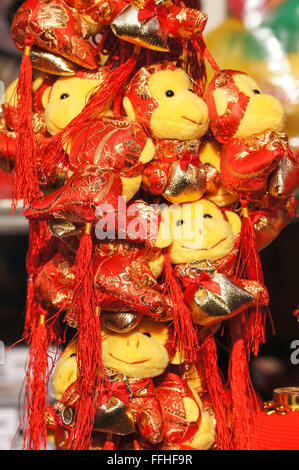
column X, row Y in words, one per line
column 244, row 401
column 89, row 343
column 25, row 183
column 185, row 336
column 247, row 333
column 39, row 237
column 217, row 393
column 249, row 267
column 36, row 391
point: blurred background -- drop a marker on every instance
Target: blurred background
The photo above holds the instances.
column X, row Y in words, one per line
column 260, row 37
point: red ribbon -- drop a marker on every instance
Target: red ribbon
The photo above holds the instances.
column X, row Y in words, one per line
column 192, row 284
column 187, row 158
column 151, row 9
column 120, row 390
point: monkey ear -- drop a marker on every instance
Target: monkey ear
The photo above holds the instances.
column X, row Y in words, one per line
column 129, row 108
column 38, row 82
column 46, row 97
column 10, row 95
column 164, row 238
column 178, row 357
column 220, row 102
column 234, row 221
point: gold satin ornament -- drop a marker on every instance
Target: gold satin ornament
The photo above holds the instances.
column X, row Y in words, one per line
column 121, row 322
column 209, row 308
column 52, row 63
column 113, row 417
column 62, row 228
column 185, row 185
column 148, row 33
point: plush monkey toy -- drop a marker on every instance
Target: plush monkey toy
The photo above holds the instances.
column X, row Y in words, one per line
column 56, row 102
column 142, row 395
column 116, row 145
column 255, row 156
column 162, row 99
column 131, row 360
column 202, row 244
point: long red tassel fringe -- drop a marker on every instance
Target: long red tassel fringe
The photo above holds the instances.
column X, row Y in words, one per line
column 89, row 357
column 39, row 250
column 250, row 268
column 247, row 333
column 217, row 393
column 184, row 330
column 244, row 401
column 25, row 182
column 36, row 390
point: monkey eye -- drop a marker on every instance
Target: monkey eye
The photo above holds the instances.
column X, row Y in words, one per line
column 179, row 223
column 73, row 355
column 256, row 92
column 64, row 96
column 207, row 216
column 169, row 93
column 147, row 334
column 190, row 89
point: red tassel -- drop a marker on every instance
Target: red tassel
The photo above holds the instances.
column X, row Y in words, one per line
column 39, row 236
column 217, row 393
column 249, row 266
column 25, row 183
column 32, row 262
column 36, row 333
column 185, row 335
column 206, row 53
column 53, row 153
column 89, row 344
column 247, row 332
column 36, row 391
column 195, row 64
column 244, row 401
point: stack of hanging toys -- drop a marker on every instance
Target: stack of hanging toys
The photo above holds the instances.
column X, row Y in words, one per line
column 150, row 192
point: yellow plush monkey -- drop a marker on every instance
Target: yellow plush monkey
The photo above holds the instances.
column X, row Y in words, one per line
column 202, row 241
column 65, row 100
column 162, row 98
column 198, row 230
column 68, row 96
column 137, row 357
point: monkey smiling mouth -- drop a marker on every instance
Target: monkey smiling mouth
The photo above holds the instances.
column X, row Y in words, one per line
column 205, row 249
column 136, row 362
column 191, row 120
